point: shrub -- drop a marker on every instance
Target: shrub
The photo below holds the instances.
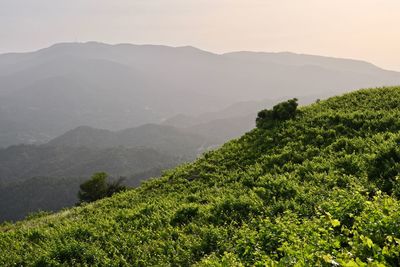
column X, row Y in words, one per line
column 97, row 188
column 236, row 210
column 280, row 112
column 185, row 215
column 385, row 170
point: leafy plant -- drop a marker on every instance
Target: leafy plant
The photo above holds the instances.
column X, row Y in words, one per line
column 97, row 188
column 280, row 112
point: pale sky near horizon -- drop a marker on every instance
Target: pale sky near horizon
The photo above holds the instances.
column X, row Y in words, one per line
column 360, row 29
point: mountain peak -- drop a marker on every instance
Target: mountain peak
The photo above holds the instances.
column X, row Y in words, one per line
column 297, row 59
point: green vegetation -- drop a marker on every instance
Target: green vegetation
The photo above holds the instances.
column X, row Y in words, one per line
column 318, row 189
column 280, row 112
column 50, row 194
column 97, row 187
column 46, row 177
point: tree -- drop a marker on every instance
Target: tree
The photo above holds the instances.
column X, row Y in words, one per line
column 97, row 187
column 280, row 112
column 115, row 187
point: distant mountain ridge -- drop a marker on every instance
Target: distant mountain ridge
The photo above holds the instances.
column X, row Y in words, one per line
column 163, row 138
column 22, row 162
column 294, row 59
column 48, row 92
column 47, row 177
column 236, row 110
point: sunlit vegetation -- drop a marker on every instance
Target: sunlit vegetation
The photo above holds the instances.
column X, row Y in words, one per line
column 319, row 188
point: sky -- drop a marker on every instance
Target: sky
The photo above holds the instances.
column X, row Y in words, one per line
column 359, row 29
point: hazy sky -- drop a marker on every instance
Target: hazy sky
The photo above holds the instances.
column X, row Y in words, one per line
column 362, row 29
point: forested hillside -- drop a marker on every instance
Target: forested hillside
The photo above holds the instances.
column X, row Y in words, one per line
column 47, row 177
column 20, row 163
column 319, row 189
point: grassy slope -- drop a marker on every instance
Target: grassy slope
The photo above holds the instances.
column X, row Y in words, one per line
column 317, row 190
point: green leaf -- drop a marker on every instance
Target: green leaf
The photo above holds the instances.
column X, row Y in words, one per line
column 335, row 223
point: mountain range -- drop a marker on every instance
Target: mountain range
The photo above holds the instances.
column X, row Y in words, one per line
column 48, row 92
column 47, row 176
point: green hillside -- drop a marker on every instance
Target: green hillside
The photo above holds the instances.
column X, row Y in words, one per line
column 321, row 189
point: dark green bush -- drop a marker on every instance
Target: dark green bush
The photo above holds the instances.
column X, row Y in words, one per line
column 185, row 215
column 385, row 169
column 280, row 112
column 235, row 210
column 97, row 187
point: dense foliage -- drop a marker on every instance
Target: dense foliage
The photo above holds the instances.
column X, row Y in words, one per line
column 98, row 187
column 319, row 189
column 280, row 112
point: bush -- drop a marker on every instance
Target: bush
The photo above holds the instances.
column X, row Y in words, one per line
column 98, row 187
column 185, row 215
column 236, row 210
column 280, row 112
column 385, row 170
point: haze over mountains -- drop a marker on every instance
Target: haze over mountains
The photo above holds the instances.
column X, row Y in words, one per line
column 18, row 163
column 47, row 177
column 51, row 91
column 73, row 109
